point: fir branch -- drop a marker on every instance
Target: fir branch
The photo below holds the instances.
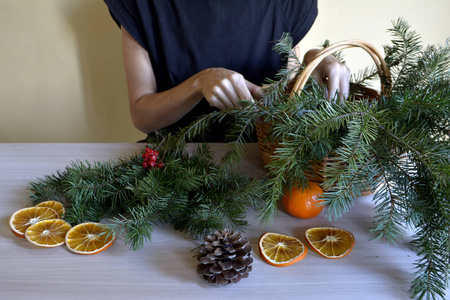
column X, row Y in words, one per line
column 275, row 188
column 338, row 199
column 387, row 224
column 50, row 187
column 402, row 55
column 432, row 242
column 276, row 87
column 193, row 192
column 136, row 229
column 364, row 76
column 199, row 127
column 240, row 131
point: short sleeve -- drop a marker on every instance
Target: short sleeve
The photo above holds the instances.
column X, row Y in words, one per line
column 300, row 16
column 126, row 13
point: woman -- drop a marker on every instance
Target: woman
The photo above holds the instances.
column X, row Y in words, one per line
column 185, row 58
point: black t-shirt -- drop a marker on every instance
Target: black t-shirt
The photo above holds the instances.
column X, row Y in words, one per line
column 184, row 37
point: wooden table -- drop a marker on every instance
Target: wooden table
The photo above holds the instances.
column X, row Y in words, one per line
column 165, row 268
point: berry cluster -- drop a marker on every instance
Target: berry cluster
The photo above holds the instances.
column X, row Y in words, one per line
column 151, row 159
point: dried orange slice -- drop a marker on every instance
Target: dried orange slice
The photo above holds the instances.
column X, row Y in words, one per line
column 89, row 238
column 281, row 250
column 330, row 242
column 57, row 206
column 48, row 233
column 25, row 217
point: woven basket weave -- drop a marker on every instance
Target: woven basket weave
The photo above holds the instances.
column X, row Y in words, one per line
column 317, row 172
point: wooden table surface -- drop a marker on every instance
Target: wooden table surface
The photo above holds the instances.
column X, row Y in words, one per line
column 165, row 267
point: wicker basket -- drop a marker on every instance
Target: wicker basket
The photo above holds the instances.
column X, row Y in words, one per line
column 317, row 172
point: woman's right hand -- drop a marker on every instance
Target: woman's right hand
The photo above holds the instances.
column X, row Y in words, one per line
column 224, row 88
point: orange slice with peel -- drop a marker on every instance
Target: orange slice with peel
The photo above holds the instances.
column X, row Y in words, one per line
column 281, row 250
column 330, row 242
column 25, row 217
column 48, row 233
column 56, row 205
column 89, row 238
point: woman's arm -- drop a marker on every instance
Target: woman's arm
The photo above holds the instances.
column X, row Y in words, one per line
column 152, row 110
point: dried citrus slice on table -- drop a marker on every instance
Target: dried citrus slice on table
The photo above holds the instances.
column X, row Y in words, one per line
column 48, row 233
column 281, row 250
column 25, row 217
column 56, row 205
column 89, row 238
column 330, row 242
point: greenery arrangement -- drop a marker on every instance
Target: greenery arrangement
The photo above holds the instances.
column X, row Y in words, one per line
column 192, row 192
column 397, row 147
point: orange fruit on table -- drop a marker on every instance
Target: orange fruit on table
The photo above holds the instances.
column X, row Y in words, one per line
column 330, row 242
column 281, row 250
column 25, row 217
column 304, row 203
column 56, row 205
column 48, row 233
column 89, row 238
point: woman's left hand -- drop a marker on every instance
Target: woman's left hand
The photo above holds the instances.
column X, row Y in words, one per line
column 332, row 73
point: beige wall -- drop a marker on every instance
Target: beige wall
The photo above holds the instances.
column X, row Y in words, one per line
column 62, row 80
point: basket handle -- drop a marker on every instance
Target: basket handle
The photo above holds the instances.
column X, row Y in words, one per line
column 383, row 70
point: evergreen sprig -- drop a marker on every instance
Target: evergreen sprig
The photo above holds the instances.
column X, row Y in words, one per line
column 397, row 147
column 192, row 192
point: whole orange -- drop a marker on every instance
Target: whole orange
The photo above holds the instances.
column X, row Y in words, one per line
column 303, row 203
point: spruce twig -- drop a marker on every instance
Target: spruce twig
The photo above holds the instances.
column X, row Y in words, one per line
column 192, row 192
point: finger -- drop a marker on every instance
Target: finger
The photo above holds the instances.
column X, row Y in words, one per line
column 255, row 90
column 344, row 87
column 240, row 86
column 322, row 81
column 215, row 102
column 222, row 97
column 344, row 83
column 230, row 92
column 333, row 87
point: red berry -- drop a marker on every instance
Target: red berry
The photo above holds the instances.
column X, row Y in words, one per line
column 150, row 157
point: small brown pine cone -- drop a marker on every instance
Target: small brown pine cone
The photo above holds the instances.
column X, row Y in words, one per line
column 225, row 257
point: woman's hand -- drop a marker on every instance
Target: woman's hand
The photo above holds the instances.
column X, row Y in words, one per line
column 224, row 88
column 332, row 73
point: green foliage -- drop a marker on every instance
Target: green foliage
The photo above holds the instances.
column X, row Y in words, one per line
column 192, row 192
column 397, row 147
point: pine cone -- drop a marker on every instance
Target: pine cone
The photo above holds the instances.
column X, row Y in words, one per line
column 225, row 257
